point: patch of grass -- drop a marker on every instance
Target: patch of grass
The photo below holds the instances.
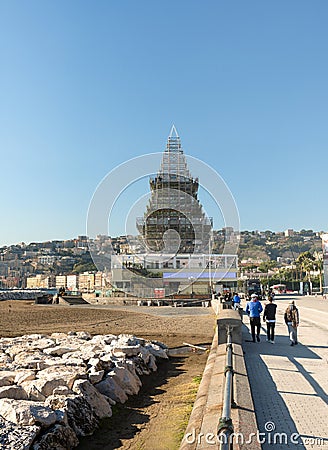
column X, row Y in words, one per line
column 189, row 397
column 197, row 379
column 184, row 422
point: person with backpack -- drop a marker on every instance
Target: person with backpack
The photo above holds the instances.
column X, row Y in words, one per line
column 292, row 321
column 269, row 316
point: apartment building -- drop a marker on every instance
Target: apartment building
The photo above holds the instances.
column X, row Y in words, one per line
column 86, row 282
column 72, row 282
column 61, row 281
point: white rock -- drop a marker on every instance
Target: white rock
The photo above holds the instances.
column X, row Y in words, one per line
column 53, row 361
column 39, row 389
column 103, row 340
column 33, row 337
column 84, row 353
column 42, row 343
column 62, row 375
column 58, row 437
column 141, row 367
column 106, row 359
column 128, row 350
column 73, row 361
column 108, row 348
column 156, row 350
column 152, row 363
column 83, row 335
column 94, row 363
column 77, row 375
column 62, row 390
column 59, row 350
column 24, row 412
column 128, row 382
column 98, row 402
column 15, row 392
column 14, row 350
column 5, row 360
column 24, row 375
column 112, row 389
column 58, row 336
column 95, row 376
column 7, row 377
column 144, row 354
column 32, row 391
column 14, row 437
column 160, row 344
column 129, row 364
column 129, row 339
column 30, row 360
column 80, row 416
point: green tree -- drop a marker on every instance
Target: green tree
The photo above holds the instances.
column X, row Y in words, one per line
column 318, row 264
column 265, row 266
column 84, row 267
column 306, row 264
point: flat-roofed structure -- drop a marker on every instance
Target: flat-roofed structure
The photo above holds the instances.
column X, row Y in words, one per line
column 142, row 274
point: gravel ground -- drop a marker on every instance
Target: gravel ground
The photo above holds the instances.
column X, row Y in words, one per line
column 157, row 417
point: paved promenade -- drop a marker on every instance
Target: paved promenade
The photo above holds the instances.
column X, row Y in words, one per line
column 290, row 384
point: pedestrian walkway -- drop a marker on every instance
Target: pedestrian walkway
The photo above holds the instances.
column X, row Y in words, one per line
column 289, row 384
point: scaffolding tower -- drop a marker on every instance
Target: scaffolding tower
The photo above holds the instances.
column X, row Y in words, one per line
column 174, row 221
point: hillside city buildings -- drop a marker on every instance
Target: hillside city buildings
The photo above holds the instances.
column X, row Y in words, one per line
column 175, row 249
column 28, row 265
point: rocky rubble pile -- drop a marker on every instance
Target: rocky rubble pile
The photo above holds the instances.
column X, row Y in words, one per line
column 54, row 389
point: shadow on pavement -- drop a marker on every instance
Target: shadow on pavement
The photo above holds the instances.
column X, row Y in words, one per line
column 272, row 414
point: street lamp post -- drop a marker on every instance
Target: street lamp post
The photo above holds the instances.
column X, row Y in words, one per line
column 192, row 286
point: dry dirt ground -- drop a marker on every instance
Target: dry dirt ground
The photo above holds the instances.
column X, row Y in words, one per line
column 155, row 419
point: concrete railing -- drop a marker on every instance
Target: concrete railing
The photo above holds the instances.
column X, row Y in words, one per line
column 204, row 424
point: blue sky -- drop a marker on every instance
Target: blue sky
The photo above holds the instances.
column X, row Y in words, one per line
column 85, row 86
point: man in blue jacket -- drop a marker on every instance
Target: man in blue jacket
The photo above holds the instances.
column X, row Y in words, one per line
column 253, row 310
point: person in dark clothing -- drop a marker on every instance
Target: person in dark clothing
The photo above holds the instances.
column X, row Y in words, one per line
column 292, row 321
column 269, row 316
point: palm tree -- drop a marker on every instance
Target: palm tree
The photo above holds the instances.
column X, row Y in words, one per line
column 306, row 263
column 318, row 262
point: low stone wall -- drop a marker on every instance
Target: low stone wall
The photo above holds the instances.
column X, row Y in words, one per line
column 202, row 429
column 55, row 389
column 146, row 301
column 20, row 295
column 122, row 301
column 205, row 414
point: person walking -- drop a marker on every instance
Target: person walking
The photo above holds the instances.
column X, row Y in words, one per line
column 292, row 321
column 253, row 310
column 269, row 316
column 236, row 301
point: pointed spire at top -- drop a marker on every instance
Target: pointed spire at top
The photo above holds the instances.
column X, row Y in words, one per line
column 173, row 142
column 173, row 132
